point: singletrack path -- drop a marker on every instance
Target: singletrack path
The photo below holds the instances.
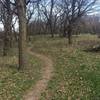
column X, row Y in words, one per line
column 47, row 73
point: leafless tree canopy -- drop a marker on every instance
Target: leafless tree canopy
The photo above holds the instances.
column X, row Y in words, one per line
column 63, row 17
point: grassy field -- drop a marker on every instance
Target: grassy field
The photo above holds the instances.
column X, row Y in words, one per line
column 14, row 83
column 77, row 70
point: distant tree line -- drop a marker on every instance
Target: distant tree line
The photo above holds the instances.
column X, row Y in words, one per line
column 87, row 24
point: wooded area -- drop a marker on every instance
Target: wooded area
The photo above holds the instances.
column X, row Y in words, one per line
column 22, row 20
column 61, row 17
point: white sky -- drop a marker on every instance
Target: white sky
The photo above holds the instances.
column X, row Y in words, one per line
column 1, row 27
column 96, row 11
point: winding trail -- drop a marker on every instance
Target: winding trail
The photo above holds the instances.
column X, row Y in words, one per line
column 47, row 73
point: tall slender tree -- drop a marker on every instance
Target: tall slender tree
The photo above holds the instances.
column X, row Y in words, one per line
column 21, row 9
column 6, row 16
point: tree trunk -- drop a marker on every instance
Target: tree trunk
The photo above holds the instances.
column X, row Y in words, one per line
column 64, row 33
column 21, row 7
column 6, row 44
column 51, row 31
column 69, row 35
column 52, row 34
column 27, row 35
column 64, row 30
column 7, row 37
column 7, row 28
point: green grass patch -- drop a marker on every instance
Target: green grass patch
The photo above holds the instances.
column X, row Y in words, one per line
column 14, row 83
column 77, row 73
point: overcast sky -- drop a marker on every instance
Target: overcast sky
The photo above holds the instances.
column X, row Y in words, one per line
column 95, row 11
column 97, row 8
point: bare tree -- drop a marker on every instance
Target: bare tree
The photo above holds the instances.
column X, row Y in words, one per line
column 21, row 9
column 6, row 17
column 73, row 10
column 49, row 14
column 30, row 11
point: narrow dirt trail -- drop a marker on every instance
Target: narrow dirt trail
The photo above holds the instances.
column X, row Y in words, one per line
column 41, row 85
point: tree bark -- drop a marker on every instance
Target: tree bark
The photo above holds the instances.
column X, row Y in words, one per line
column 64, row 33
column 6, row 43
column 7, row 37
column 69, row 35
column 7, row 28
column 51, row 32
column 21, row 7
